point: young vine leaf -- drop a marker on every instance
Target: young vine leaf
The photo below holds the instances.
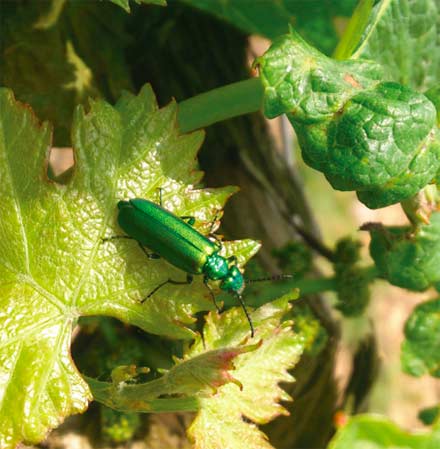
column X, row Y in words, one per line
column 315, row 20
column 376, row 432
column 203, row 381
column 403, row 37
column 54, row 266
column 421, row 347
column 378, row 138
column 408, row 257
column 226, row 419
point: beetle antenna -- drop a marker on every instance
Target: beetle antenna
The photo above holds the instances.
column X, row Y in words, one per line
column 243, row 306
column 278, row 277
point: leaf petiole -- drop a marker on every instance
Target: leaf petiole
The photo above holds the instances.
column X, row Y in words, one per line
column 220, row 104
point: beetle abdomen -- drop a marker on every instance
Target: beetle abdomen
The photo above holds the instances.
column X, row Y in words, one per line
column 165, row 234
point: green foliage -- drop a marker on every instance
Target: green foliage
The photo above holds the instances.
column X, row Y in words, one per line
column 421, row 347
column 53, row 264
column 352, row 287
column 375, row 432
column 378, row 138
column 403, row 37
column 223, row 420
column 50, row 17
column 102, row 345
column 408, row 257
column 420, row 207
column 352, row 282
column 55, row 68
column 314, row 19
column 118, row 427
column 429, row 415
column 294, row 258
column 55, row 8
column 203, row 380
column 434, row 95
column 347, row 251
column 370, row 124
column 309, row 329
column 182, row 384
column 125, row 4
column 355, row 28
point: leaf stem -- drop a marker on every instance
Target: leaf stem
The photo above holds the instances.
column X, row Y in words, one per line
column 139, row 397
column 256, row 296
column 220, row 104
column 354, row 30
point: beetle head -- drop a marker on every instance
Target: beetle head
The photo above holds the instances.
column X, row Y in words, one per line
column 233, row 281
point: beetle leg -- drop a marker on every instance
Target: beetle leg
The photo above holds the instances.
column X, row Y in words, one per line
column 160, row 196
column 189, row 279
column 149, row 255
column 213, row 223
column 189, row 219
column 214, row 300
column 114, row 237
column 215, row 239
column 232, row 260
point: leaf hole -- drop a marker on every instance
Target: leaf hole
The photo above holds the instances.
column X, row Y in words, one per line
column 61, row 162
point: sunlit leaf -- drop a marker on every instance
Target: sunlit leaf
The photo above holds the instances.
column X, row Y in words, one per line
column 54, row 266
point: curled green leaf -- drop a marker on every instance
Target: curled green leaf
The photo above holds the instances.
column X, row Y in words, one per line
column 403, row 37
column 378, row 138
column 406, row 256
column 377, row 432
column 421, row 347
column 352, row 281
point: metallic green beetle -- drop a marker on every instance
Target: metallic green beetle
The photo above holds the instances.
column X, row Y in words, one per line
column 175, row 239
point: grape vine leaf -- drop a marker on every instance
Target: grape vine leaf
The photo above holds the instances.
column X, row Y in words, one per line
column 44, row 66
column 54, row 266
column 315, row 20
column 378, row 138
column 50, row 17
column 408, row 257
column 421, row 347
column 404, row 37
column 377, row 432
column 203, row 381
column 226, row 419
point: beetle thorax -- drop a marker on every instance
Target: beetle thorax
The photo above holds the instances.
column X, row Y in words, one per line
column 216, row 267
column 234, row 281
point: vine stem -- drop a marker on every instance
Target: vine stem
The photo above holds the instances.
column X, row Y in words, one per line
column 140, row 397
column 319, row 285
column 219, row 104
column 265, row 292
